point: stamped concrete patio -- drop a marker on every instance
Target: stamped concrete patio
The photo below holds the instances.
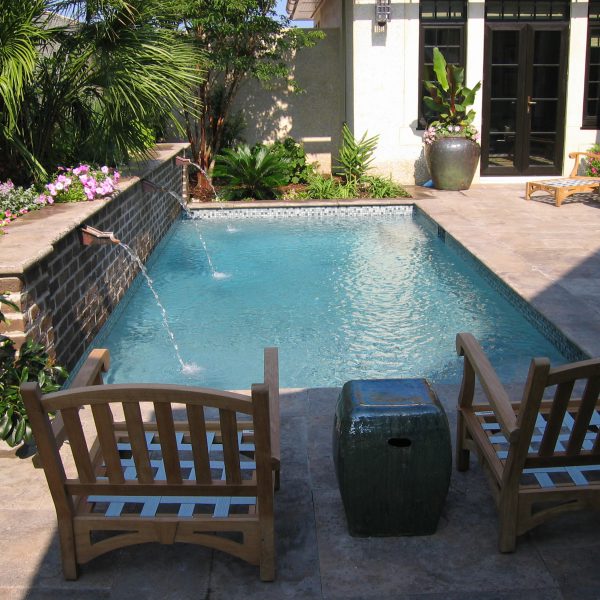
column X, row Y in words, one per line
column 549, row 255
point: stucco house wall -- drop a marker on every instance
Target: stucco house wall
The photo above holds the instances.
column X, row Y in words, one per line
column 314, row 116
column 386, row 89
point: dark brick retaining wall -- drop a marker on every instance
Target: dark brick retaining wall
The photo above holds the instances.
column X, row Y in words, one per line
column 67, row 296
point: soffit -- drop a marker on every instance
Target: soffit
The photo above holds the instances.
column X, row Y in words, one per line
column 300, row 10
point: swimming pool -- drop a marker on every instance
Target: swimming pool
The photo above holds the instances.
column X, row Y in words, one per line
column 345, row 295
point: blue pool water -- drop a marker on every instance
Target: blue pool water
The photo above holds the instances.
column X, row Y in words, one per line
column 343, row 298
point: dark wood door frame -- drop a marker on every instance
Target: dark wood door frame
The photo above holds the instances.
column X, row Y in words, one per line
column 526, row 32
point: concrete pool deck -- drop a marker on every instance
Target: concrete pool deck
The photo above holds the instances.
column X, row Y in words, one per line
column 550, row 256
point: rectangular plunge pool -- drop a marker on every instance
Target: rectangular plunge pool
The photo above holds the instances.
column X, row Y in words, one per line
column 344, row 294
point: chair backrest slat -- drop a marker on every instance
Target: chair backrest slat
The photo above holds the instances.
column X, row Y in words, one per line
column 556, row 417
column 168, row 441
column 231, row 450
column 586, row 410
column 197, row 426
column 137, row 440
column 103, row 418
column 79, row 445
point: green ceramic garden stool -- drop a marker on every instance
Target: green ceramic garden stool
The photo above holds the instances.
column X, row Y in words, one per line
column 391, row 448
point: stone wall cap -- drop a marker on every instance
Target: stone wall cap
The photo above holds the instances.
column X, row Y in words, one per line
column 31, row 237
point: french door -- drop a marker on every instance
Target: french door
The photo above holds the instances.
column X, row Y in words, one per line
column 524, row 90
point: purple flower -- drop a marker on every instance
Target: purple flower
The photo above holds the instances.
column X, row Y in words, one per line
column 6, row 188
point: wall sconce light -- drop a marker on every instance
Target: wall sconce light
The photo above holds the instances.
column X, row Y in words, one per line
column 383, row 12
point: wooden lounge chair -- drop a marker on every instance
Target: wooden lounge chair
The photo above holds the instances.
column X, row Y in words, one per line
column 160, row 479
column 542, row 456
column 563, row 187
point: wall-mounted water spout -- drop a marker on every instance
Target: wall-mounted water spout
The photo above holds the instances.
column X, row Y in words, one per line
column 184, row 163
column 149, row 187
column 91, row 236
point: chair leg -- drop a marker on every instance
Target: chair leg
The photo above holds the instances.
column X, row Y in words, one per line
column 277, row 479
column 67, row 551
column 462, row 454
column 507, row 534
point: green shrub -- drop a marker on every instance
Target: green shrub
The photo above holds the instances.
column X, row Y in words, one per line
column 328, row 188
column 250, row 173
column 295, row 157
column 355, row 156
column 31, row 364
column 592, row 166
column 321, row 188
column 383, row 187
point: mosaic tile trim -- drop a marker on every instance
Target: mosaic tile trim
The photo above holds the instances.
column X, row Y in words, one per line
column 566, row 347
column 312, row 212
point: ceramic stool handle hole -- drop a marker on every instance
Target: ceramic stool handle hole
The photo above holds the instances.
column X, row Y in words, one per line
column 399, row 442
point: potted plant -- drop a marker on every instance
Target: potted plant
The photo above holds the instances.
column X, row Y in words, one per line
column 451, row 142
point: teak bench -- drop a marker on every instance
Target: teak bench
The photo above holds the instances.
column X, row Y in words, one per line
column 561, row 188
column 161, row 479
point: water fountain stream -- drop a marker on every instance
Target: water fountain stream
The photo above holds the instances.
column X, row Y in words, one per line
column 186, row 368
column 214, row 273
column 212, row 187
column 90, row 236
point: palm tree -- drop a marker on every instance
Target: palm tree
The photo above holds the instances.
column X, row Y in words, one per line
column 100, row 83
column 21, row 36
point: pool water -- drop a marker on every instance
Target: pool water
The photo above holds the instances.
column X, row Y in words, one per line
column 343, row 298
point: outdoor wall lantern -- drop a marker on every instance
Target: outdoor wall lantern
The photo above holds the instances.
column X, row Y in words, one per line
column 383, row 12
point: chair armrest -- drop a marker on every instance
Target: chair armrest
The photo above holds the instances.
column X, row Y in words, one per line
column 272, row 380
column 97, row 362
column 468, row 346
column 577, row 156
column 90, row 373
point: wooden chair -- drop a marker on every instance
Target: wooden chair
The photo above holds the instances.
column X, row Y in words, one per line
column 542, row 456
column 160, row 479
column 562, row 187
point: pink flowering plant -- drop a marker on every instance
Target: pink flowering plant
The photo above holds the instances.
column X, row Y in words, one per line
column 82, row 183
column 592, row 165
column 436, row 132
column 17, row 201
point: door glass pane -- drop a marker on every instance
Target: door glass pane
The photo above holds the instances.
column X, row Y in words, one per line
column 541, row 150
column 547, row 47
column 504, row 79
column 502, row 150
column 543, row 106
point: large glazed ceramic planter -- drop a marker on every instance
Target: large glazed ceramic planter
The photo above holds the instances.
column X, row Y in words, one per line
column 452, row 162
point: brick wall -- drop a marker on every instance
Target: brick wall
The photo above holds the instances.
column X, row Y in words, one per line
column 66, row 297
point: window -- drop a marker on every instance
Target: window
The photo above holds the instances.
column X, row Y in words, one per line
column 527, row 10
column 443, row 26
column 591, row 100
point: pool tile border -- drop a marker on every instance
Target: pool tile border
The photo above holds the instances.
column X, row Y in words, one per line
column 304, row 211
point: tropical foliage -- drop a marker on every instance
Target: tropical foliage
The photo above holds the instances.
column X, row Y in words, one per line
column 250, row 172
column 294, row 155
column 242, row 40
column 31, row 364
column 94, row 86
column 355, row 156
column 451, row 100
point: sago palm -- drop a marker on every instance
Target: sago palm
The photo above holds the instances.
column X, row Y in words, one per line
column 251, row 173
